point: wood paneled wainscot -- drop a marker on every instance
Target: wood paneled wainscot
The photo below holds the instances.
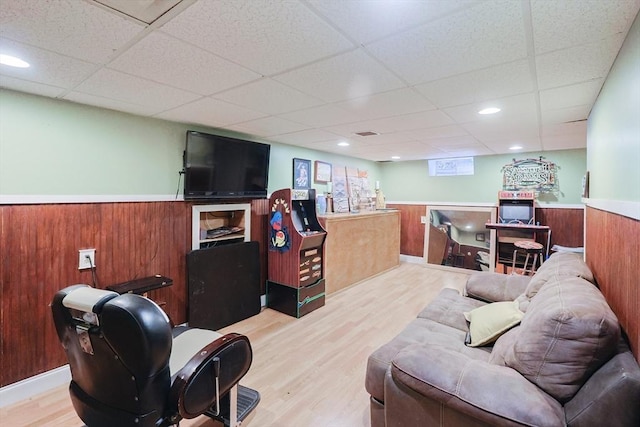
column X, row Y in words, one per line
column 359, row 246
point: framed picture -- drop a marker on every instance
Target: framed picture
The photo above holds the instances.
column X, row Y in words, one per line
column 301, row 174
column 323, row 171
column 479, row 237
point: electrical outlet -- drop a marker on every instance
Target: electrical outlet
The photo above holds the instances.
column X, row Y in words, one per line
column 423, row 219
column 83, row 262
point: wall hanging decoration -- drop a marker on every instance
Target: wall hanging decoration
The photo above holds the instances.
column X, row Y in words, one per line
column 323, row 171
column 530, row 174
column 301, row 174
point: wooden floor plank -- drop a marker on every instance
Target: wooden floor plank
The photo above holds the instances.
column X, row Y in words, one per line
column 309, row 371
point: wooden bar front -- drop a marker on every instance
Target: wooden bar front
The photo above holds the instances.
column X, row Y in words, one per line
column 359, row 246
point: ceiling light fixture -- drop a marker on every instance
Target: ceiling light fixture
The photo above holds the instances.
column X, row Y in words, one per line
column 515, row 147
column 343, row 144
column 12, row 61
column 490, row 110
column 395, row 157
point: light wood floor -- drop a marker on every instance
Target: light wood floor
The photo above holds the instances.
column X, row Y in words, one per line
column 309, row 371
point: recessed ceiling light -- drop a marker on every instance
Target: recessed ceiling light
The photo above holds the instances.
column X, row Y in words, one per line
column 515, row 147
column 490, row 110
column 12, row 61
column 343, row 144
column 395, row 157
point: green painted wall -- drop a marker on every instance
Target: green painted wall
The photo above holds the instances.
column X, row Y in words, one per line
column 52, row 147
column 410, row 181
column 613, row 138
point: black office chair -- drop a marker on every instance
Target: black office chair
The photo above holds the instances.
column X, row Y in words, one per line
column 129, row 367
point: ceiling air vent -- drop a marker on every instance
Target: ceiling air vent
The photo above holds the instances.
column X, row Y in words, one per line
column 367, row 133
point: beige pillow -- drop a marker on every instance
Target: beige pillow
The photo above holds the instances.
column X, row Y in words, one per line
column 488, row 322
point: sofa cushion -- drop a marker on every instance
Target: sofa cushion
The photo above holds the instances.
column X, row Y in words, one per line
column 559, row 265
column 419, row 331
column 448, row 307
column 488, row 322
column 567, row 333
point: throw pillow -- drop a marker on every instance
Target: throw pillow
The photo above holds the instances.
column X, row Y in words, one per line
column 488, row 322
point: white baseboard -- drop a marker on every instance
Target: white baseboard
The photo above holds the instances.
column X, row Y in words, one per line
column 35, row 385
column 412, row 259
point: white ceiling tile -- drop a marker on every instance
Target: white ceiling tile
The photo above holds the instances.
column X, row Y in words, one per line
column 438, row 132
column 513, row 109
column 570, row 96
column 376, row 19
column 269, row 96
column 305, row 137
column 30, row 86
column 577, row 64
column 167, row 60
column 395, row 124
column 561, row 24
column 47, row 67
column 456, row 141
column 579, row 127
column 350, row 75
column 503, row 146
column 481, row 85
column 322, row 116
column 134, row 90
column 392, row 103
column 266, row 36
column 564, row 142
column 488, row 34
column 389, row 139
column 563, row 115
column 112, row 104
column 210, row 112
column 70, row 27
column 268, row 126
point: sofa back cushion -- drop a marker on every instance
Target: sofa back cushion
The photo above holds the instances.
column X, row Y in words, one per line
column 557, row 266
column 567, row 333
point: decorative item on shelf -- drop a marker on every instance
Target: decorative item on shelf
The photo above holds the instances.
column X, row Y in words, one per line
column 380, row 202
column 321, row 204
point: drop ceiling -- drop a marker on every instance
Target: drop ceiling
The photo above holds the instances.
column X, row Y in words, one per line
column 314, row 73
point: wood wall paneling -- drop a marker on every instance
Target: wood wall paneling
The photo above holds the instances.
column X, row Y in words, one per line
column 567, row 226
column 411, row 228
column 40, row 256
column 612, row 252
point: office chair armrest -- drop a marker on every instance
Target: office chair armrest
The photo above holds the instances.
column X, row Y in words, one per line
column 194, row 388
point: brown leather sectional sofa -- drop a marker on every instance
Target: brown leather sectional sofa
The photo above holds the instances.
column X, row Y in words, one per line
column 565, row 364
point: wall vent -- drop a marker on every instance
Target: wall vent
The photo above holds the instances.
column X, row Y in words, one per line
column 367, row 133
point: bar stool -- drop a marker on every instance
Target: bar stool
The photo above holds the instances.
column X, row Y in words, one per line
column 530, row 247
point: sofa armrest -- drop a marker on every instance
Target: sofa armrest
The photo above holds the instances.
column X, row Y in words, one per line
column 494, row 394
column 494, row 287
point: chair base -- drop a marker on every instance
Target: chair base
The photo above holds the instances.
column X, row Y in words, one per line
column 246, row 400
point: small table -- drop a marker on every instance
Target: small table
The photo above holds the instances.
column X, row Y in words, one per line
column 141, row 286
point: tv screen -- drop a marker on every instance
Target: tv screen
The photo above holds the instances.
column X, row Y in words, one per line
column 220, row 167
column 516, row 213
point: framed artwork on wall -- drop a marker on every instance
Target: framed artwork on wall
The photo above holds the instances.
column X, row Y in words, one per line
column 323, row 171
column 479, row 237
column 301, row 174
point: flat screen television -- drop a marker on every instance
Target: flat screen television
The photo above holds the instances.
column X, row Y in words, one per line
column 516, row 212
column 220, row 167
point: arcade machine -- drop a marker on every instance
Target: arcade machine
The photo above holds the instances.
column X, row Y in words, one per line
column 295, row 284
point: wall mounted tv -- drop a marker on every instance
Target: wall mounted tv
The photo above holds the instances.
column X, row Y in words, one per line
column 220, row 167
